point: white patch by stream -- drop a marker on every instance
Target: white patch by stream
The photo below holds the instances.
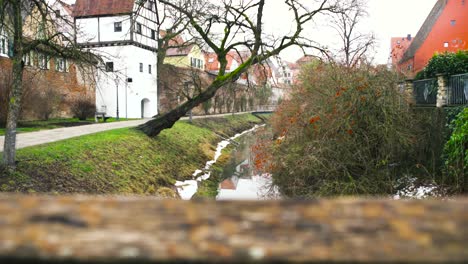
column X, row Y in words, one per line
column 412, row 191
column 187, row 189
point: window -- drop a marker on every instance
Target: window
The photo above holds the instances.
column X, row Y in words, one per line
column 150, row 5
column 61, row 65
column 446, row 44
column 57, row 13
column 109, row 66
column 138, row 28
column 153, row 34
column 43, row 61
column 149, row 69
column 3, row 46
column 141, row 67
column 118, row 27
column 27, row 59
column 453, row 22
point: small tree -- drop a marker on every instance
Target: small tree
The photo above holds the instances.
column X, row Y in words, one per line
column 354, row 44
column 41, row 17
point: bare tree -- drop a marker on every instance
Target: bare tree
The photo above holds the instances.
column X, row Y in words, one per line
column 47, row 38
column 241, row 24
column 354, row 44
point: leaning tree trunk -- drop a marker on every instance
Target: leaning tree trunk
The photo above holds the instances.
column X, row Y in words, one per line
column 14, row 102
column 153, row 127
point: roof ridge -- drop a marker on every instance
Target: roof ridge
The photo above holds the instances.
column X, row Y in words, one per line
column 425, row 29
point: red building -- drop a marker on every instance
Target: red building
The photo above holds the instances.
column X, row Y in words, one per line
column 445, row 30
column 399, row 46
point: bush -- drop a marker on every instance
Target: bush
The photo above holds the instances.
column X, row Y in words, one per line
column 456, row 154
column 446, row 63
column 83, row 108
column 344, row 131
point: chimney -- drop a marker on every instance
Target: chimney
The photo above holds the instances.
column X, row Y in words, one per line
column 409, row 37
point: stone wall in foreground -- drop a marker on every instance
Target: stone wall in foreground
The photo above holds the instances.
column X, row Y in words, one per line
column 144, row 230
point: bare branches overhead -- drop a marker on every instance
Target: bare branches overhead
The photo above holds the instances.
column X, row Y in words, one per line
column 238, row 26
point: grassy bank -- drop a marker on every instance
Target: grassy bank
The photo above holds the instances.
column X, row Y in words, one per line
column 123, row 161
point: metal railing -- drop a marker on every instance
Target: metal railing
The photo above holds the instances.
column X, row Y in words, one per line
column 457, row 93
column 265, row 108
column 425, row 91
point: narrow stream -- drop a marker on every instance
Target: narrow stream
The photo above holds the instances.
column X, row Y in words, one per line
column 240, row 181
column 187, row 189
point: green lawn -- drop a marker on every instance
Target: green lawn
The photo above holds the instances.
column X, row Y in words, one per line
column 32, row 126
column 123, row 161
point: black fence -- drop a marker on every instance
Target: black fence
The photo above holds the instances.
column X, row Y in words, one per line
column 425, row 91
column 457, row 93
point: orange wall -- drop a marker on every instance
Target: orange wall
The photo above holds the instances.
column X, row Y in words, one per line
column 443, row 31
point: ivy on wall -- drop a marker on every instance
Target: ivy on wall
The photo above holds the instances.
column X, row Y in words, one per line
column 447, row 63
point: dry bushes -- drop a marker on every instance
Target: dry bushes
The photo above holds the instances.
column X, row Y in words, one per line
column 344, row 131
column 83, row 108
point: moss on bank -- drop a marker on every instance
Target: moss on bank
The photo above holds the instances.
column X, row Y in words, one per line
column 123, row 161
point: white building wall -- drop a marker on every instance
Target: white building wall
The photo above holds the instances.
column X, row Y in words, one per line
column 147, row 19
column 87, row 30
column 127, row 61
column 138, row 98
column 107, row 32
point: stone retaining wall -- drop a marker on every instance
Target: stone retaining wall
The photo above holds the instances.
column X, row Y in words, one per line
column 145, row 230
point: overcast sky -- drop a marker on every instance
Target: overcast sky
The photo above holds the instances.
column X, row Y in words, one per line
column 387, row 18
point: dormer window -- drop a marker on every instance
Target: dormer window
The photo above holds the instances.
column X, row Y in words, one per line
column 118, row 27
column 453, row 22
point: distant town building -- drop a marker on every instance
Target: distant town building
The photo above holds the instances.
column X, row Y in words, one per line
column 125, row 35
column 185, row 55
column 444, row 30
column 45, row 74
column 399, row 45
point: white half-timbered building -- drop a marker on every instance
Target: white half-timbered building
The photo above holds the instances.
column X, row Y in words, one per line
column 123, row 32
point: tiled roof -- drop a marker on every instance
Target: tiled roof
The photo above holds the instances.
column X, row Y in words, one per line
column 179, row 47
column 84, row 8
column 212, row 63
column 425, row 29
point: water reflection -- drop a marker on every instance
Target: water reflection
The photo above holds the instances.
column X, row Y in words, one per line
column 240, row 180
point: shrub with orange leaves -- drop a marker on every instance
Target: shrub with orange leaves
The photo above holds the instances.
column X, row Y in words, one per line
column 337, row 133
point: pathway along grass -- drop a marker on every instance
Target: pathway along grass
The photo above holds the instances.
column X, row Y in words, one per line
column 123, row 161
